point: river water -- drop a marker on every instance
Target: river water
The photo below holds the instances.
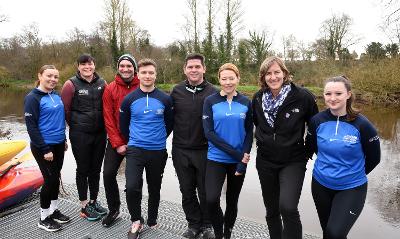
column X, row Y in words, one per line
column 379, row 219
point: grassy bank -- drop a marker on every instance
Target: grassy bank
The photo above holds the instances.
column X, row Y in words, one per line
column 376, row 82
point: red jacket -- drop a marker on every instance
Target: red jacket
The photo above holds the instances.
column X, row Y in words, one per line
column 112, row 99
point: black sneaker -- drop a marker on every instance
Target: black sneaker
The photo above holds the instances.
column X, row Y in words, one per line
column 134, row 232
column 59, row 217
column 191, row 233
column 99, row 209
column 49, row 225
column 227, row 233
column 90, row 213
column 207, row 233
column 110, row 218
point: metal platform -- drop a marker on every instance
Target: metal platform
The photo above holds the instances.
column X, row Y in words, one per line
column 21, row 221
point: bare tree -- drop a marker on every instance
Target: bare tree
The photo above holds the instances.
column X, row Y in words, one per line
column 233, row 24
column 208, row 47
column 336, row 34
column 192, row 24
column 391, row 20
column 290, row 51
column 118, row 26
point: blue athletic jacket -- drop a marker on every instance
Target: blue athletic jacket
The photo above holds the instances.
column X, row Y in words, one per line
column 228, row 128
column 146, row 119
column 44, row 118
column 346, row 150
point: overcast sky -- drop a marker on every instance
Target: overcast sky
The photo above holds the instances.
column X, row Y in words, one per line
column 164, row 18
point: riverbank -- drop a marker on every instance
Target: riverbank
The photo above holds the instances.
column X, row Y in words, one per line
column 366, row 98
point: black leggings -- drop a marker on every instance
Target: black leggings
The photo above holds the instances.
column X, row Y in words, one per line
column 153, row 161
column 281, row 190
column 338, row 210
column 215, row 177
column 50, row 171
column 88, row 150
column 112, row 162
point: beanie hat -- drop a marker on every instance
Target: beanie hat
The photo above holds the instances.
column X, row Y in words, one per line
column 130, row 58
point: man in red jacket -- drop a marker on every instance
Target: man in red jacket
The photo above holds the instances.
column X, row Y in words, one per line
column 125, row 82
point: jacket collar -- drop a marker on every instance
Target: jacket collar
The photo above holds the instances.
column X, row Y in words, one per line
column 134, row 82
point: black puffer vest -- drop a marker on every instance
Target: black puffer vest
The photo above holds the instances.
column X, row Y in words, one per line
column 87, row 105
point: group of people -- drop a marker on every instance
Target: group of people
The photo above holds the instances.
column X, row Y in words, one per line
column 213, row 134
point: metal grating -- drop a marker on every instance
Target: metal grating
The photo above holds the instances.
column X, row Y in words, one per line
column 21, row 221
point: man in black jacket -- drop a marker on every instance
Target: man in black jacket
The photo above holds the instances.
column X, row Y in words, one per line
column 189, row 145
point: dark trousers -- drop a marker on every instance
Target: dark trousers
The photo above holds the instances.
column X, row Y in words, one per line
column 88, row 150
column 281, row 189
column 112, row 162
column 51, row 173
column 338, row 210
column 153, row 161
column 190, row 167
column 216, row 173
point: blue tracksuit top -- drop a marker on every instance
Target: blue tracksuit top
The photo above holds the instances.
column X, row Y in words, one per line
column 146, row 119
column 44, row 118
column 228, row 128
column 346, row 150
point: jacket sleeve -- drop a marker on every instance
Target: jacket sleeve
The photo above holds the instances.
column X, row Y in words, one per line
column 311, row 139
column 312, row 107
column 125, row 117
column 253, row 107
column 67, row 94
column 169, row 116
column 371, row 147
column 209, row 132
column 32, row 113
column 248, row 140
column 109, row 113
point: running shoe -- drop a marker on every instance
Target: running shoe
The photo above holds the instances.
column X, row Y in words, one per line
column 110, row 218
column 49, row 225
column 134, row 233
column 90, row 213
column 99, row 209
column 59, row 217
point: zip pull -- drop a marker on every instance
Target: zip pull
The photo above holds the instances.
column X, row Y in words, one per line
column 274, row 136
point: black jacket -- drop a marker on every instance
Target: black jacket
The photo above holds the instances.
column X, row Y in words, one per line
column 284, row 143
column 188, row 112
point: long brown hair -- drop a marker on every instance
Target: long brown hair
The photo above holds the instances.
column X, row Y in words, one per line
column 267, row 63
column 352, row 112
column 41, row 70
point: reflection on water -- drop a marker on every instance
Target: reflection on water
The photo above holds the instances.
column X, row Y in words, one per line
column 381, row 215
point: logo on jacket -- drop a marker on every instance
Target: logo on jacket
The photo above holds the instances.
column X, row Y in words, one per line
column 160, row 111
column 350, row 139
column 205, row 117
column 287, row 115
column 243, row 115
column 295, row 110
column 27, row 114
column 83, row 92
column 229, row 114
column 99, row 88
column 147, row 111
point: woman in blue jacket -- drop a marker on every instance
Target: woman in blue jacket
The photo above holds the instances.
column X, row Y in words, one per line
column 228, row 126
column 45, row 122
column 348, row 148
